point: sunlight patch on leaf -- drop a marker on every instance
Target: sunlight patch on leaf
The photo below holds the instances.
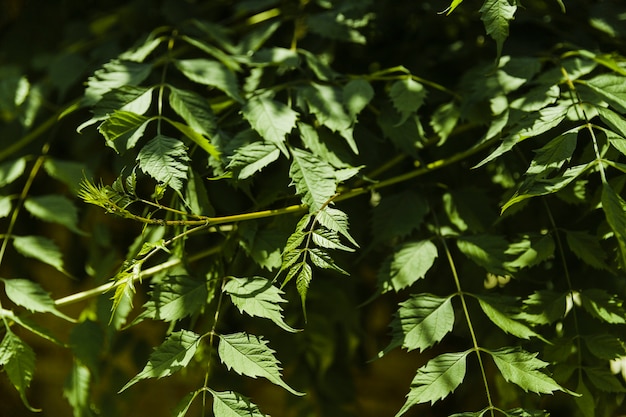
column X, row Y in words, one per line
column 496, row 15
column 18, row 362
column 54, row 208
column 407, row 96
column 165, row 159
column 314, row 179
column 407, row 265
column 40, row 248
column 232, row 404
column 211, row 73
column 273, row 120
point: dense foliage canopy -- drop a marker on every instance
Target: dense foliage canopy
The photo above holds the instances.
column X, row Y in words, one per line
column 313, row 208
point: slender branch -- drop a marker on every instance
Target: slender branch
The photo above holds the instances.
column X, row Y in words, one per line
column 94, row 292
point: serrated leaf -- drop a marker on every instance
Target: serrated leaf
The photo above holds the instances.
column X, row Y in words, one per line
column 40, row 248
column 487, row 251
column 54, row 208
column 554, row 153
column 273, row 120
column 35, row 328
column 398, row 215
column 407, row 96
column 30, row 295
column 408, row 264
column 323, row 260
column 303, row 280
column 314, row 179
column 587, row 248
column 257, row 297
column 136, row 100
column 232, row 404
column 522, row 369
column 603, row 306
column 611, row 88
column 337, row 220
column 444, row 120
column 357, row 94
column 249, row 355
column 11, row 170
column 69, row 172
column 123, row 129
column 194, row 109
column 327, row 105
column 545, row 307
column 171, row 356
column 112, row 75
column 496, row 309
column 496, row 15
column 420, row 322
column 328, row 239
column 436, row 380
column 175, row 297
column 614, row 208
column 77, row 390
column 252, row 158
column 165, row 159
column 18, row 362
column 212, row 73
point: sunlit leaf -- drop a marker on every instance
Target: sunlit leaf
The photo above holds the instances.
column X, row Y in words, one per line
column 273, row 120
column 487, row 251
column 54, row 208
column 77, row 390
column 420, row 322
column 30, row 295
column 123, row 129
column 232, row 404
column 314, row 179
column 249, row 355
column 357, row 94
column 18, row 362
column 11, row 170
column 407, row 265
column 212, row 73
column 497, row 310
column 40, row 248
column 171, row 356
column 115, row 74
column 165, row 159
column 407, row 96
column 496, row 15
column 256, row 296
column 603, row 306
column 194, row 109
column 436, row 380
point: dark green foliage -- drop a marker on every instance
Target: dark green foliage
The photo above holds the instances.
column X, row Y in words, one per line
column 232, row 191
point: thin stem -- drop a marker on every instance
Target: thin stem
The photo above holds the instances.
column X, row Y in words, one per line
column 211, row 338
column 476, row 347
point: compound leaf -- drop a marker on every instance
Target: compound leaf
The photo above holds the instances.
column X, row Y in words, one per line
column 18, row 361
column 249, row 355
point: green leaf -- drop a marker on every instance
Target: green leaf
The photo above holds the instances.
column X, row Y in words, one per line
column 252, row 158
column 29, row 295
column 87, row 340
column 328, row 239
column 605, row 346
column 554, row 154
column 11, row 170
column 175, row 297
column 112, row 75
column 603, row 306
column 586, row 401
column 257, row 297
column 183, row 405
column 196, row 137
column 194, row 109
column 497, row 310
column 69, row 172
column 337, row 220
column 321, row 259
column 5, row 206
column 436, row 380
column 616, row 122
column 487, row 251
column 327, row 104
column 545, row 307
column 173, row 355
column 265, row 242
column 407, row 265
column 531, row 251
column 398, row 215
column 232, row 404
column 77, row 390
column 420, row 322
column 314, row 179
column 40, row 248
column 18, row 361
column 407, row 96
column 303, row 280
column 611, row 88
column 33, row 327
column 603, row 379
column 273, row 120
column 211, row 73
column 135, row 100
column 165, row 159
column 249, row 355
column 357, row 94
column 522, row 369
column 123, row 129
column 444, row 120
column 54, row 208
column 587, row 248
column 496, row 15
column 614, row 208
